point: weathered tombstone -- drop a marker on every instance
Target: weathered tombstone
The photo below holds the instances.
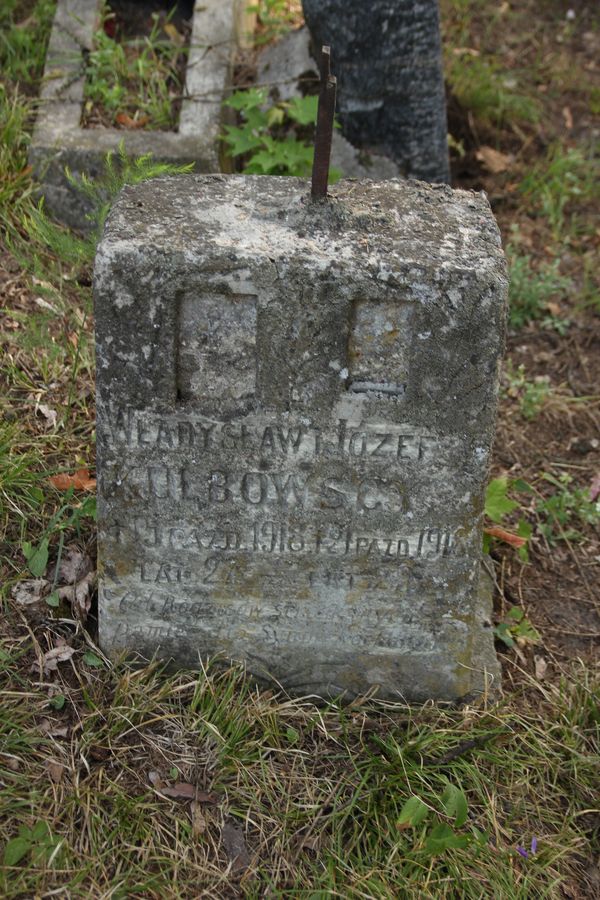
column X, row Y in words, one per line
column 295, row 411
column 387, row 57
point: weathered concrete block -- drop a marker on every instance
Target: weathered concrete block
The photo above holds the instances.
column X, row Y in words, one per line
column 388, row 61
column 295, row 410
column 58, row 139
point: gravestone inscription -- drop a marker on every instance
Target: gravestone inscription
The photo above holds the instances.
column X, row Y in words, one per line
column 295, row 411
column 387, row 57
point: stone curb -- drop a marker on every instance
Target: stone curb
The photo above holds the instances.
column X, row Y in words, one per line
column 58, row 139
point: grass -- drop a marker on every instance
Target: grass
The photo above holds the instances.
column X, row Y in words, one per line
column 275, row 18
column 23, row 38
column 319, row 794
column 136, row 83
column 531, row 289
column 491, row 95
column 568, row 179
column 477, row 76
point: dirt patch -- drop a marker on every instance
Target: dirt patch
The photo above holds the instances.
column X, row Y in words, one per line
column 548, row 56
column 560, row 589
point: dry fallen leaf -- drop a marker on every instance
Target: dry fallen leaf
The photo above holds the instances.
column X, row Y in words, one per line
column 48, row 727
column 74, row 566
column 493, row 160
column 41, row 283
column 540, row 667
column 50, row 660
column 508, row 537
column 155, row 780
column 184, row 791
column 176, row 37
column 180, row 790
column 80, row 481
column 127, row 122
column 29, row 591
column 79, row 595
column 83, row 596
column 43, row 303
column 235, row 847
column 568, row 117
column 55, row 770
column 554, row 309
column 198, row 820
column 99, row 754
column 465, row 51
column 48, row 413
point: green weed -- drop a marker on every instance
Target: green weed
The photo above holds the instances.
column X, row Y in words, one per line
column 275, row 17
column 499, row 505
column 119, row 170
column 37, row 843
column 270, row 139
column 561, row 326
column 568, row 507
column 531, row 288
column 491, row 95
column 138, row 79
column 516, row 630
column 23, row 39
column 531, row 395
column 555, row 188
column 68, row 518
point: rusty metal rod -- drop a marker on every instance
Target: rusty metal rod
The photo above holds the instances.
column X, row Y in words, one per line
column 324, row 131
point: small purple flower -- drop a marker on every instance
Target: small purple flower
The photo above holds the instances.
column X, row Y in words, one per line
column 525, row 853
column 534, row 845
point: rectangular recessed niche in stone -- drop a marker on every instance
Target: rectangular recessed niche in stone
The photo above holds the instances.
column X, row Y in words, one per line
column 216, row 333
column 378, row 352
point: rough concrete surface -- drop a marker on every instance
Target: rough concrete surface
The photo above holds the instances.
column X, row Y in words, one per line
column 387, row 57
column 58, row 139
column 296, row 405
